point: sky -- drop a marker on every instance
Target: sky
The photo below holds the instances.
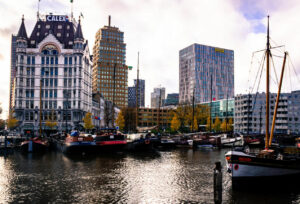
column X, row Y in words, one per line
column 158, row 29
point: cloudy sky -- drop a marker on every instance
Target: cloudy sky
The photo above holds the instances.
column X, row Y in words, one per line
column 160, row 28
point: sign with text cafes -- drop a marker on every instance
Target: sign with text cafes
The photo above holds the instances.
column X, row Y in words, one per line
column 56, row 18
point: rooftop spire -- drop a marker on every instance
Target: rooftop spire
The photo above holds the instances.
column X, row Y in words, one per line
column 22, row 30
column 109, row 19
column 78, row 33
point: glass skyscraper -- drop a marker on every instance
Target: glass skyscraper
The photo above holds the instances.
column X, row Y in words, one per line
column 202, row 69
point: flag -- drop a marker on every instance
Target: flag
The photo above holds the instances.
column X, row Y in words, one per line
column 81, row 14
column 214, row 99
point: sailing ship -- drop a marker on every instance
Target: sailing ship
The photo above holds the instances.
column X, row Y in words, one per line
column 271, row 164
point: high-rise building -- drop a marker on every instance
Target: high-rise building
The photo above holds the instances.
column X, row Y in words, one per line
column 12, row 72
column 141, row 94
column 110, row 73
column 172, row 99
column 207, row 72
column 157, row 97
column 53, row 75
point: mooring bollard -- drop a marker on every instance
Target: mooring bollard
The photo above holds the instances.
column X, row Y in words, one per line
column 218, row 183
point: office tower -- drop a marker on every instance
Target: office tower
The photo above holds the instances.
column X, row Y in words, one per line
column 141, row 94
column 172, row 99
column 110, row 73
column 207, row 72
column 158, row 93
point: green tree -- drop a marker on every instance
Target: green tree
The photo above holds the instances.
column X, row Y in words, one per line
column 120, row 121
column 88, row 123
column 175, row 123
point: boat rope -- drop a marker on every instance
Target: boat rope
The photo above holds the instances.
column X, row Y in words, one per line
column 274, row 68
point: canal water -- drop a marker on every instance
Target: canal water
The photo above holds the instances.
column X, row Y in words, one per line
column 174, row 176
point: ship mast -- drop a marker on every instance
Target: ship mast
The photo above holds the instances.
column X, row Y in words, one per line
column 137, row 102
column 267, row 88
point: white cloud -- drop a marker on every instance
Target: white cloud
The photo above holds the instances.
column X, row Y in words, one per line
column 159, row 29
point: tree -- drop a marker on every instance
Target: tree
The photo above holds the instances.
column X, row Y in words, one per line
column 175, row 123
column 208, row 128
column 88, row 124
column 2, row 124
column 217, row 125
column 223, row 126
column 12, row 122
column 120, row 121
column 230, row 125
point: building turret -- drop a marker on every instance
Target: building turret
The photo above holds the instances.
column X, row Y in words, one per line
column 22, row 37
column 78, row 39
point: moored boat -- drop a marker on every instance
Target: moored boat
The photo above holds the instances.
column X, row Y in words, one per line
column 35, row 144
column 109, row 139
column 273, row 164
column 78, row 142
column 140, row 142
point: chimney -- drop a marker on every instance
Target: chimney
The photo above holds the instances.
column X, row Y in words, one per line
column 109, row 21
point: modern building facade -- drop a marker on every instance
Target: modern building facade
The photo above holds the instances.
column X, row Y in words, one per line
column 205, row 71
column 110, row 73
column 12, row 72
column 141, row 94
column 221, row 108
column 172, row 99
column 157, row 97
column 53, row 75
column 149, row 117
column 250, row 111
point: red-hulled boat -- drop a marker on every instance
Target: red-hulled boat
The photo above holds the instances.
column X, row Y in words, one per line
column 109, row 139
column 78, row 143
column 36, row 144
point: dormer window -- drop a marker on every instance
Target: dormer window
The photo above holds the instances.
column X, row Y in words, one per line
column 68, row 27
column 58, row 34
column 67, row 35
column 39, row 26
column 70, row 43
column 32, row 42
column 37, row 34
column 47, row 26
column 59, row 26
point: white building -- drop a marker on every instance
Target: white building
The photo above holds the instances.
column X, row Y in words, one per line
column 55, row 59
column 158, row 93
column 250, row 111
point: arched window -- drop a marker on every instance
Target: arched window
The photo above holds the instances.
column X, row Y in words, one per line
column 50, row 49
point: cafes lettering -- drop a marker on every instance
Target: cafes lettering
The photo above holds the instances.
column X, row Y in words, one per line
column 56, row 18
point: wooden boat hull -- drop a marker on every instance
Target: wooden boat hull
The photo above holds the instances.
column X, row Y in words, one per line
column 79, row 147
column 32, row 146
column 140, row 145
column 246, row 169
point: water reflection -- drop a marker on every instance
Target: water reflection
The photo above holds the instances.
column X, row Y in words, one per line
column 175, row 176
